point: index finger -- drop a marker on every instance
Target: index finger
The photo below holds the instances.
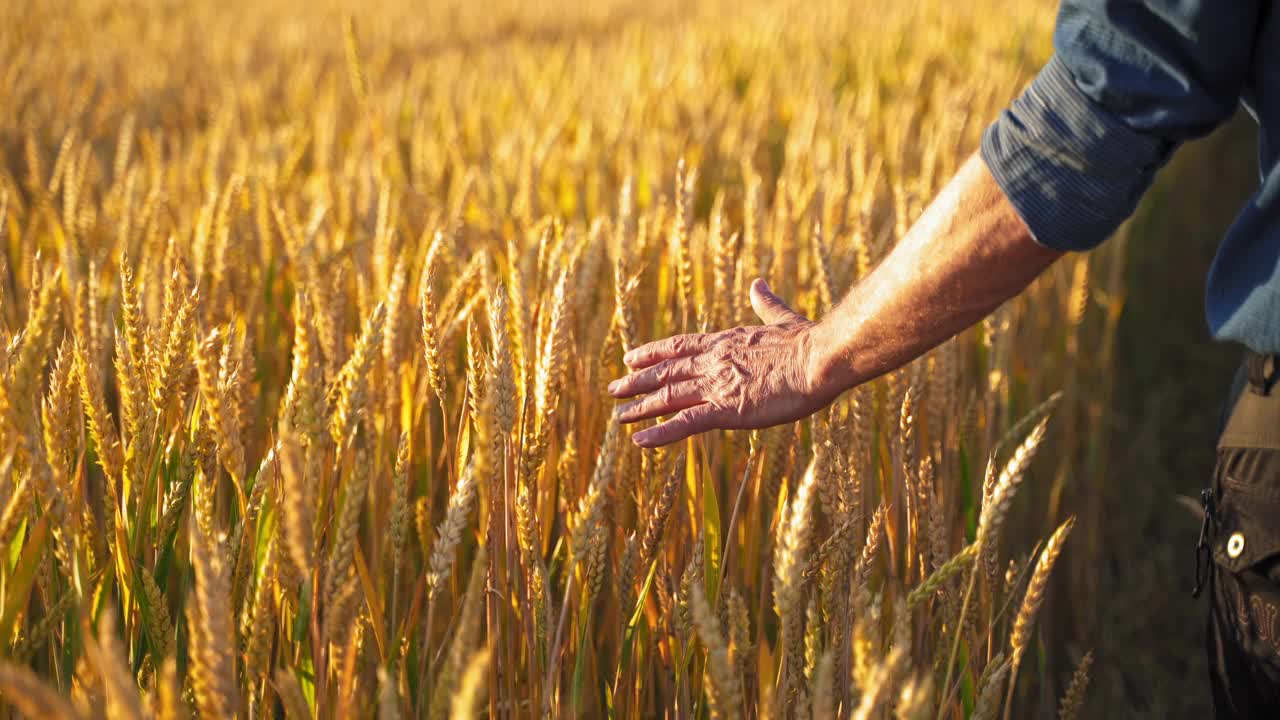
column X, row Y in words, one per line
column 673, row 347
column 687, row 422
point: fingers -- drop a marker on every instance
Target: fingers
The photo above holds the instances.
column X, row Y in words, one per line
column 668, row 349
column 690, row 421
column 652, row 378
column 769, row 307
column 667, row 400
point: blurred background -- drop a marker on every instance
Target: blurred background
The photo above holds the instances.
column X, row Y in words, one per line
column 1171, row 380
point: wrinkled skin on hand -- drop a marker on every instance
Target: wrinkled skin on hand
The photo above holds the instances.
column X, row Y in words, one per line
column 746, row 377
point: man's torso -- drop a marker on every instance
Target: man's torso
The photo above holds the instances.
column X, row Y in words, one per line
column 1243, row 300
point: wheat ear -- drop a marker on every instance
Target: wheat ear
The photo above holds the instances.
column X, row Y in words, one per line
column 1031, row 602
column 449, row 534
column 788, row 564
column 212, row 662
column 727, row 700
column 1073, row 699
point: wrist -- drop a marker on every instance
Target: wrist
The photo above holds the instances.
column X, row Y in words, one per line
column 829, row 370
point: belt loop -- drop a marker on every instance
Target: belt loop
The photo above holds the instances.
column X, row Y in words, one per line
column 1263, row 370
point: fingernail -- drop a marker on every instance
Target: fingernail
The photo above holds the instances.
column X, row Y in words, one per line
column 640, row 437
column 613, row 386
column 629, row 357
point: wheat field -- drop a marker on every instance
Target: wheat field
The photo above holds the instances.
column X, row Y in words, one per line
column 307, row 313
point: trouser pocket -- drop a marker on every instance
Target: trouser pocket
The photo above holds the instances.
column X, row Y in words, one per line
column 1244, row 623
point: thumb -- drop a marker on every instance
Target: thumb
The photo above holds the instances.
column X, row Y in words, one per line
column 768, row 306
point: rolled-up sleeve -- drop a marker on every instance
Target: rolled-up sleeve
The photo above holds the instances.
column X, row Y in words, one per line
column 1127, row 83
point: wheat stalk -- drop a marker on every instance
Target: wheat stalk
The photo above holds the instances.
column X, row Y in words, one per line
column 209, row 616
column 471, row 690
column 948, row 570
column 988, row 703
column 24, row 689
column 122, row 694
column 348, row 523
column 1073, row 699
column 296, row 507
column 444, row 550
column 727, row 700
column 792, row 543
column 590, row 505
column 351, row 389
column 996, row 506
column 450, row 681
column 1031, row 602
column 260, row 616
column 397, row 525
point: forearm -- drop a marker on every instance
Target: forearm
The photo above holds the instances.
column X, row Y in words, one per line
column 966, row 255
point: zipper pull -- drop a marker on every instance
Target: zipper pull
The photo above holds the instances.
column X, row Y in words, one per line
column 1203, row 556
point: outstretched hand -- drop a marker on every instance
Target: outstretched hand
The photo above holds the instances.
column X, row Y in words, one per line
column 746, row 377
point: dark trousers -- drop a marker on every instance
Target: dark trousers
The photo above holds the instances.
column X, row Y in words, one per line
column 1244, row 544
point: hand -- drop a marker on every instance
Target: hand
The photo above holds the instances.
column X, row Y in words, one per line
column 747, row 377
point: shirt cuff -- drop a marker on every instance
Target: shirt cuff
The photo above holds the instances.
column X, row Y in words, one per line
column 1071, row 169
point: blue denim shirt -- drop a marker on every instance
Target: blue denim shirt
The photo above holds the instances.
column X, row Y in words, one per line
column 1129, row 81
